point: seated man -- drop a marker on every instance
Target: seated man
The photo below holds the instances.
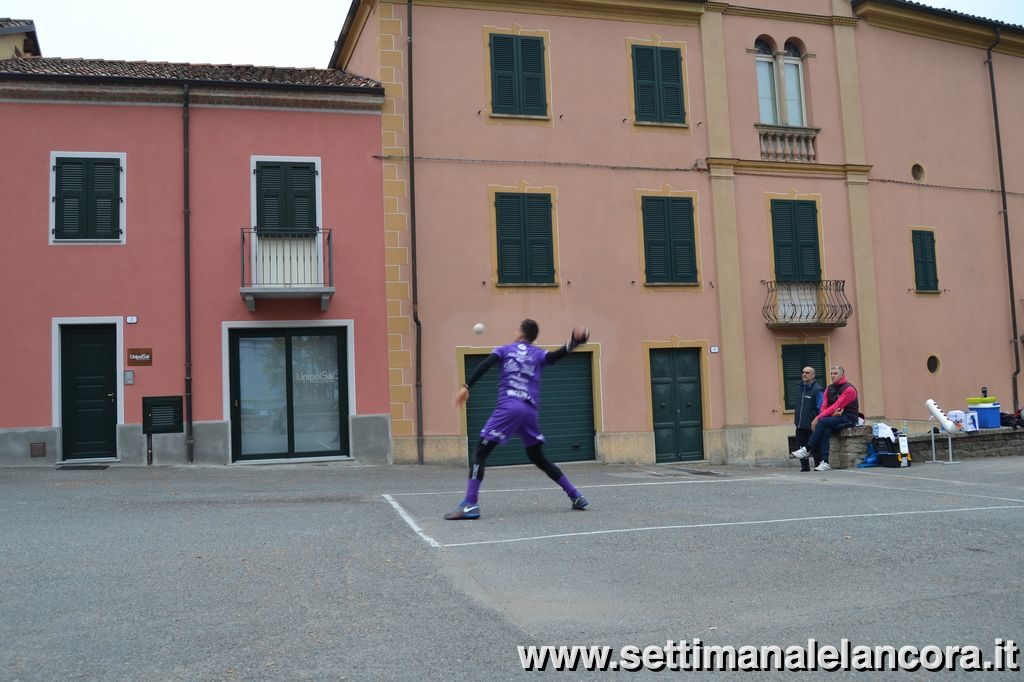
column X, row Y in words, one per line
column 839, row 411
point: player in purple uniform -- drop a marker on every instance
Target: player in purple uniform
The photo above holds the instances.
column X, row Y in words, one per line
column 517, row 412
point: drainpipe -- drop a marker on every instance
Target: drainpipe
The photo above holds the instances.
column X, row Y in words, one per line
column 189, row 438
column 412, row 243
column 1006, row 226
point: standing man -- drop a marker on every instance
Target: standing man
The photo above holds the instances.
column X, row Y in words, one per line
column 840, row 411
column 808, row 404
column 517, row 412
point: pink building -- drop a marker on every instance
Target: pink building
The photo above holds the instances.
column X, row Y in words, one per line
column 208, row 235
column 723, row 193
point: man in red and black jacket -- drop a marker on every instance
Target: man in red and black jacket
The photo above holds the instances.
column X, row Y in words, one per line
column 839, row 410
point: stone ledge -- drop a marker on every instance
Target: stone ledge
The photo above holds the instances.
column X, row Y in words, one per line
column 848, row 448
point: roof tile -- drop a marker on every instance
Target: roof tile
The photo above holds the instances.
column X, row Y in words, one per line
column 210, row 73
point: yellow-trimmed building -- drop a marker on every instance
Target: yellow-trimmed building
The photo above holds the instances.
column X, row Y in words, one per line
column 724, row 193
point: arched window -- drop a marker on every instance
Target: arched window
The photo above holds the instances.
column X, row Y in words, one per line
column 793, row 77
column 768, row 105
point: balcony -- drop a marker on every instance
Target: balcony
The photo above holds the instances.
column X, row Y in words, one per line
column 287, row 265
column 806, row 304
column 788, row 143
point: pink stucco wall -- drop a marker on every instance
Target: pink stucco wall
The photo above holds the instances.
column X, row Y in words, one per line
column 936, row 111
column 821, row 96
column 595, row 162
column 144, row 277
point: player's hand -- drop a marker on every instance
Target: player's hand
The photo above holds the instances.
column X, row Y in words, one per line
column 461, row 397
column 579, row 336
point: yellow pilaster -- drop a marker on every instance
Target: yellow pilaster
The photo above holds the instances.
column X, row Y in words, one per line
column 860, row 225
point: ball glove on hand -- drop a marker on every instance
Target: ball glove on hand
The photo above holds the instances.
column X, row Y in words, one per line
column 578, row 337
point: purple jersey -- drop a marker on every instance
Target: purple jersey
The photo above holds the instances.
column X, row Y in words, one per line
column 521, row 365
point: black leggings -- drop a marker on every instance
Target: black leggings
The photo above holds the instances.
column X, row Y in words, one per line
column 534, row 452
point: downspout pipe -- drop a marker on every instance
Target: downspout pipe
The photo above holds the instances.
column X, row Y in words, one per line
column 186, row 211
column 412, row 240
column 1006, row 226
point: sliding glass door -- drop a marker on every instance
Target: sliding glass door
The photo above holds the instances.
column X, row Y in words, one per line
column 289, row 393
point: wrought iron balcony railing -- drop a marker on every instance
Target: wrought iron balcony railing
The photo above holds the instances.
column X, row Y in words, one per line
column 788, row 143
column 806, row 304
column 289, row 264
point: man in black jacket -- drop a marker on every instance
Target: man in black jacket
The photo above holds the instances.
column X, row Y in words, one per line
column 808, row 402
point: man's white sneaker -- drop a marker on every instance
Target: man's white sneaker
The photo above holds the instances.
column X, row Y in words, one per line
column 822, row 467
column 800, row 454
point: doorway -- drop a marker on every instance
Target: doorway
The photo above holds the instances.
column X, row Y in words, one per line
column 88, row 405
column 676, row 405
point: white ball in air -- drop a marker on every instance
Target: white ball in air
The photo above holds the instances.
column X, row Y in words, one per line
column 478, row 328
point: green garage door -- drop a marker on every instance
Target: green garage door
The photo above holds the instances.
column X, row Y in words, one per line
column 566, row 412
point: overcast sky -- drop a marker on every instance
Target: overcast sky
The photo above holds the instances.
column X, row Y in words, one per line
column 263, row 32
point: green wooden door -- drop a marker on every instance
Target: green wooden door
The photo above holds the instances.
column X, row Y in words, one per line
column 676, row 401
column 566, row 413
column 88, row 391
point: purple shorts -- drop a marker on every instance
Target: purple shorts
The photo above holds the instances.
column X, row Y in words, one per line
column 513, row 418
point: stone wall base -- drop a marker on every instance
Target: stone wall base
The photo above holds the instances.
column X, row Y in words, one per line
column 848, row 448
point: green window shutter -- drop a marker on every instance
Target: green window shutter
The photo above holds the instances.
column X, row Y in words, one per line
column 814, row 356
column 670, row 68
column 70, row 199
column 792, row 365
column 795, row 240
column 925, row 272
column 525, row 243
column 510, row 219
column 670, row 253
column 794, row 359
column 270, row 197
column 540, row 248
column 683, row 244
column 504, row 75
column 645, row 83
column 784, row 241
column 656, row 239
column 805, row 215
column 105, row 199
column 531, row 61
column 88, row 198
column 302, row 196
column 286, row 197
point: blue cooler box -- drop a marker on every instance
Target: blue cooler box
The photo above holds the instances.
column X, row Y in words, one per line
column 988, row 415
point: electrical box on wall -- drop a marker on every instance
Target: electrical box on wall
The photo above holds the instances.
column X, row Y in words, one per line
column 162, row 414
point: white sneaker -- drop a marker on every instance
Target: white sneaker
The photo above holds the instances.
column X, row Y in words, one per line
column 800, row 454
column 822, row 467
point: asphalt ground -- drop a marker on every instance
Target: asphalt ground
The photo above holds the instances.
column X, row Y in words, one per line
column 346, row 572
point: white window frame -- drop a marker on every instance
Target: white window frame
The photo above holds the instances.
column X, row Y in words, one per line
column 799, row 63
column 51, row 231
column 253, row 242
column 774, row 95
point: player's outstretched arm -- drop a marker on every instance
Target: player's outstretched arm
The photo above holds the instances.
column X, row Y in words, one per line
column 577, row 337
column 463, row 395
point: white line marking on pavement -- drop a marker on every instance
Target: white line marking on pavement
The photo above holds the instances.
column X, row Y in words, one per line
column 729, row 523
column 916, row 478
column 931, row 492
column 600, row 485
column 412, row 524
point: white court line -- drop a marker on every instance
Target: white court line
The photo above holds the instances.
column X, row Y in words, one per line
column 919, row 490
column 916, row 478
column 412, row 524
column 727, row 523
column 601, row 485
